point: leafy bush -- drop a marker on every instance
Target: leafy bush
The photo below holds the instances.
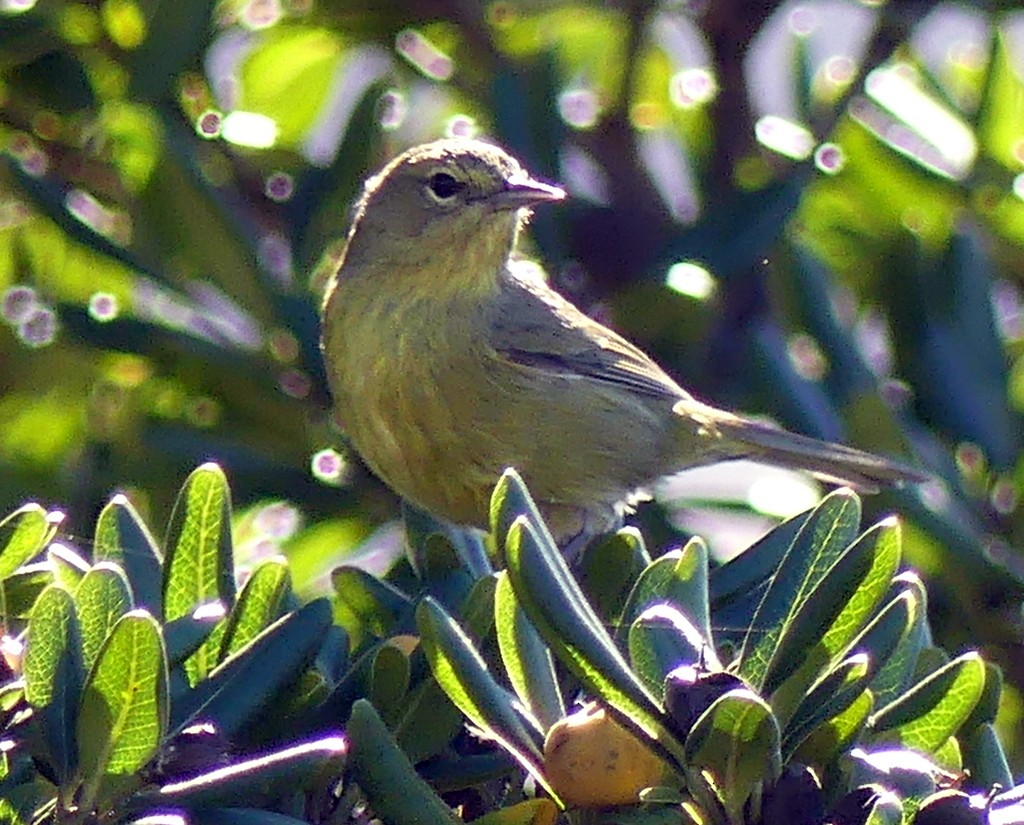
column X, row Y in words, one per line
column 143, row 685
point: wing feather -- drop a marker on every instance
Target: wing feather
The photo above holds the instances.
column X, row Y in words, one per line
column 535, row 327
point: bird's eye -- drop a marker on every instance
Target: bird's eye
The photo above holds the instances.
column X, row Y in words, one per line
column 444, row 186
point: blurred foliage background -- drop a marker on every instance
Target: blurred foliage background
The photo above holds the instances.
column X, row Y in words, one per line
column 809, row 210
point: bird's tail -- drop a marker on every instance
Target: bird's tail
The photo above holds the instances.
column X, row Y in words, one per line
column 728, row 436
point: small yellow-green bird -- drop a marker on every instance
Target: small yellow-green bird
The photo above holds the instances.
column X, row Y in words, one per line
column 450, row 361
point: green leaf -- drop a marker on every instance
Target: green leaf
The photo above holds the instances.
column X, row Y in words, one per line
column 898, row 669
column 824, row 744
column 24, row 534
column 247, row 682
column 261, row 779
column 608, row 569
column 1001, row 110
column 829, row 697
column 735, row 746
column 839, row 605
column 103, row 596
column 460, row 670
column 22, row 589
column 742, row 574
column 555, row 604
column 287, row 77
column 260, row 603
column 123, row 714
column 527, row 660
column 985, row 759
column 389, row 679
column 678, row 578
column 427, row 722
column 54, row 674
column 662, row 639
column 933, row 710
column 122, row 538
column 199, row 567
column 380, row 767
column 68, row 567
column 366, row 605
column 829, row 529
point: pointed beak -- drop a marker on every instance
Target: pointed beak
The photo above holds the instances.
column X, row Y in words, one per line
column 523, row 191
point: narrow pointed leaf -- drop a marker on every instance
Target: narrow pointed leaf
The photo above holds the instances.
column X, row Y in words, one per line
column 460, row 670
column 389, row 680
column 554, row 603
column 836, row 691
column 678, row 578
column 124, row 539
column 828, row 740
column 199, row 567
column 742, row 574
column 260, row 604
column 985, row 759
column 123, row 715
column 826, row 534
column 736, row 743
column 366, row 605
column 836, row 609
column 660, row 640
column 264, row 777
column 54, row 674
column 68, row 567
column 933, row 710
column 102, row 597
column 23, row 535
column 527, row 660
column 380, row 767
column 608, row 569
column 247, row 682
column 897, row 672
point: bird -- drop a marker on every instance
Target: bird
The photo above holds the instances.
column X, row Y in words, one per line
column 450, row 359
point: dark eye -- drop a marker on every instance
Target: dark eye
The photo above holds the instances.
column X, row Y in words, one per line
column 443, row 186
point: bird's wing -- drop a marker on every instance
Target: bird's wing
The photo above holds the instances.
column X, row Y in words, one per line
column 534, row 326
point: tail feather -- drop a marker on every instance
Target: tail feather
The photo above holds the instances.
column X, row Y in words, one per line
column 743, row 438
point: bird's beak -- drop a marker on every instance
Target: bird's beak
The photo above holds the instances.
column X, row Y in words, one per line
column 525, row 191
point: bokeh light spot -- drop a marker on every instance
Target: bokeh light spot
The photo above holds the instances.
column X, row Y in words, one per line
column 124, row 22
column 829, row 158
column 1018, row 186
column 392, row 109
column 782, row 495
column 328, row 466
column 423, row 54
column 103, row 307
column 295, row 383
column 16, row 6
column 278, row 521
column 209, row 124
column 578, row 107
column 274, row 253
column 691, row 279
column 806, row 357
column 785, row 137
column 39, row 329
column 692, row 87
column 261, row 14
column 1004, row 496
column 279, row 187
column 249, row 129
column 802, row 21
column 18, row 303
column 462, row 126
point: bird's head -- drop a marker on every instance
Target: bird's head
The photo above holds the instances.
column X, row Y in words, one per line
column 453, row 206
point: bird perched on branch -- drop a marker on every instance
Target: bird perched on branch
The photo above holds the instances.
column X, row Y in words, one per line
column 450, row 361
